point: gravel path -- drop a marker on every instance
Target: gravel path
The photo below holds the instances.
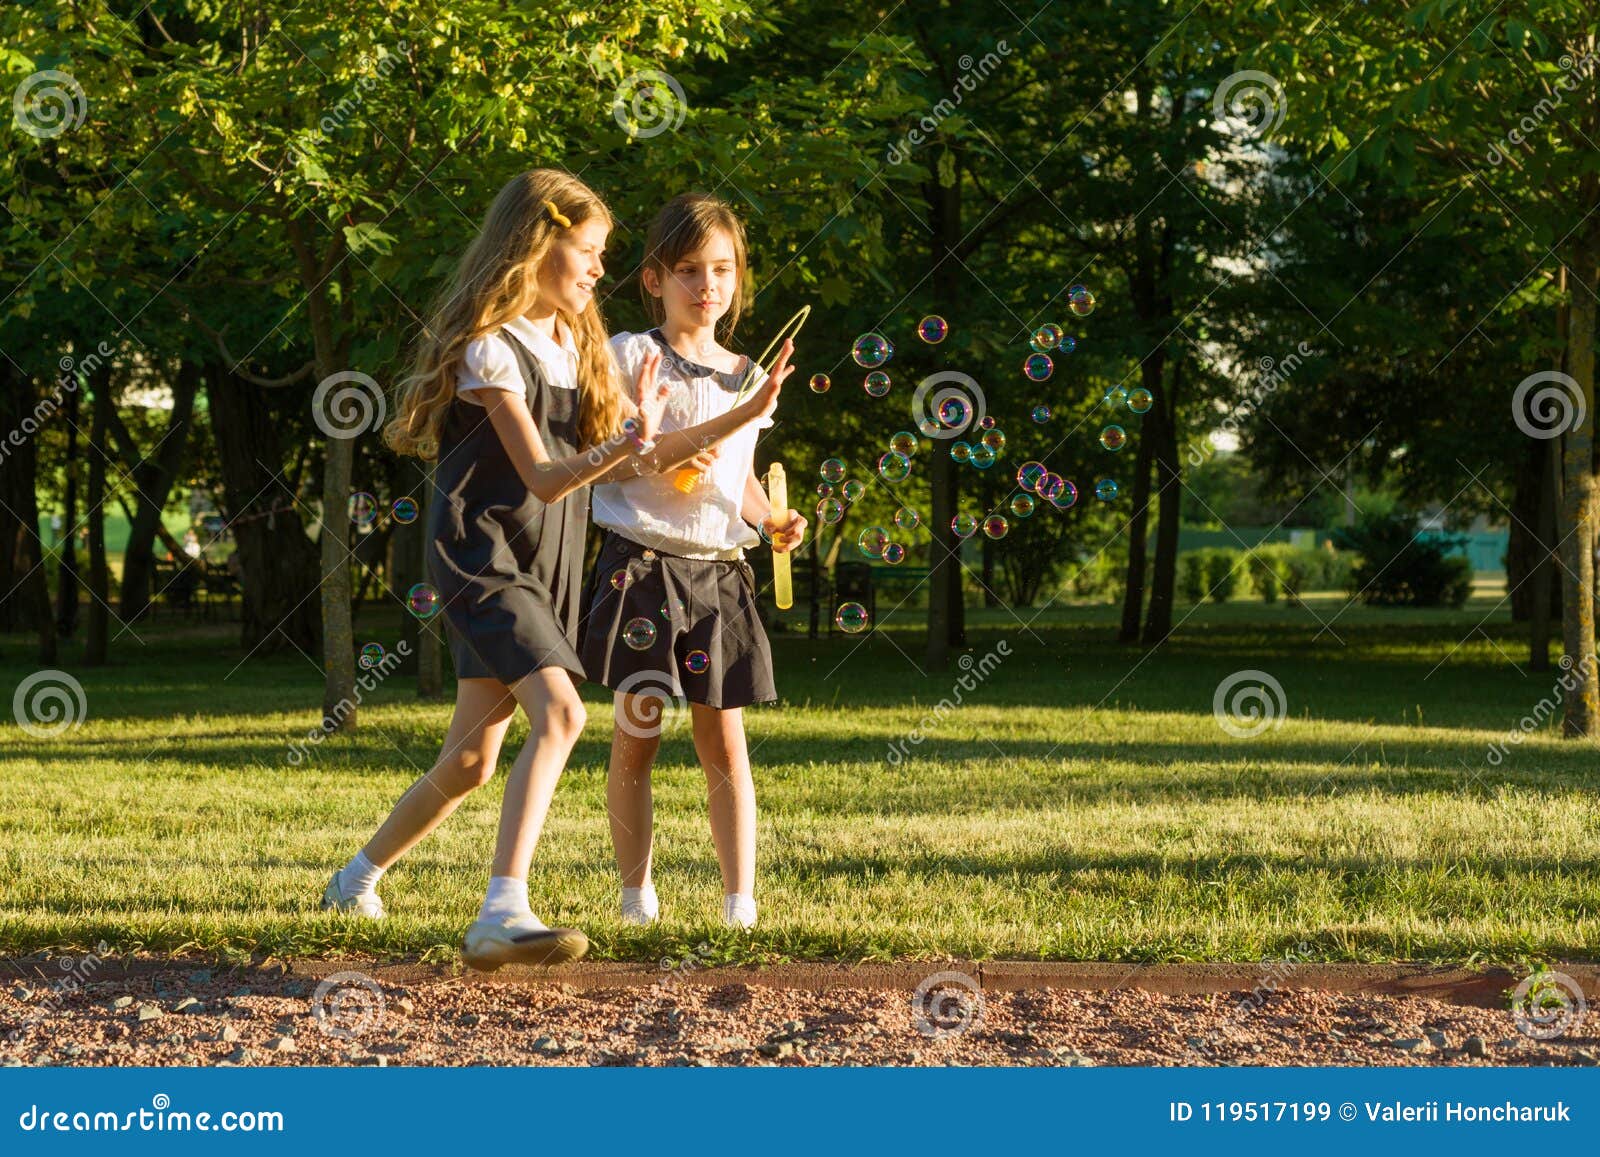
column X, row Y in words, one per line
column 176, row 1014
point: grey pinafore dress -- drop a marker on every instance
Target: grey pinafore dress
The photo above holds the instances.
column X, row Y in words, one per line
column 508, row 568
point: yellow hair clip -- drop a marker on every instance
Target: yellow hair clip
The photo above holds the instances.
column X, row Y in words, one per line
column 557, row 215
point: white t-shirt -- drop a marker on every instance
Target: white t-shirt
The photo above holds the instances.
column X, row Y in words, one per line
column 650, row 509
column 490, row 364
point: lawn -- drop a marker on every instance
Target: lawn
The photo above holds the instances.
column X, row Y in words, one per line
column 1082, row 802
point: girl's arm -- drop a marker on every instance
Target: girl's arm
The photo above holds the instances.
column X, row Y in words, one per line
column 786, row 530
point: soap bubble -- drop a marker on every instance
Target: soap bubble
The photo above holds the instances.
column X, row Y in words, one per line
column 825, row 490
column 995, row 440
column 929, row 427
column 619, row 580
column 363, row 508
column 1106, row 489
column 1050, row 486
column 1140, row 400
column 851, row 618
column 1038, row 367
column 853, row 490
column 1113, row 437
column 1044, row 338
column 404, row 510
column 1115, row 397
column 830, row 510
column 961, row 451
column 964, row 525
column 1081, row 301
column 371, row 655
column 995, row 526
column 422, row 600
column 696, row 662
column 872, row 540
column 932, row 329
column 1067, row 344
column 894, row 467
column 982, row 456
column 1029, row 473
column 955, row 413
column 820, row 383
column 1041, row 413
column 1022, row 505
column 872, row 350
column 907, row 519
column 639, row 633
column 876, row 384
column 894, row 554
column 904, row 443
column 1067, row 496
column 833, row 470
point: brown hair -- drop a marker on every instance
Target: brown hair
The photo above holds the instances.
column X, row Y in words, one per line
column 684, row 224
column 495, row 281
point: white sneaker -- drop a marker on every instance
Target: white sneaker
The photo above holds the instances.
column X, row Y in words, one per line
column 642, row 912
column 520, row 940
column 366, row 905
column 738, row 913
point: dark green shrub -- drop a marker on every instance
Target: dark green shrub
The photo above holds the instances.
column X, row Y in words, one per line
column 1192, row 575
column 1400, row 566
column 1222, row 574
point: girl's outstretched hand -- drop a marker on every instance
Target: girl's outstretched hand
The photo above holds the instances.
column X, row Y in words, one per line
column 652, row 395
column 765, row 399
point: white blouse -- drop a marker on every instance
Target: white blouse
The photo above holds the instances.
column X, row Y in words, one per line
column 490, row 364
column 650, row 510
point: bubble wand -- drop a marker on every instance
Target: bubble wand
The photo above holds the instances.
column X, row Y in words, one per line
column 778, row 494
column 687, row 480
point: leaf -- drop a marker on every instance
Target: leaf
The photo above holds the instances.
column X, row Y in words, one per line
column 368, row 235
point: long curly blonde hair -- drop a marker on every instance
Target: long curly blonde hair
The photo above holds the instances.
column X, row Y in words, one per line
column 495, row 281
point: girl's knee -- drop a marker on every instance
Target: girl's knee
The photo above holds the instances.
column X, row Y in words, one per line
column 462, row 772
column 566, row 719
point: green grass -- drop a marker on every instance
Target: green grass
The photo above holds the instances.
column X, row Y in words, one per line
column 1082, row 803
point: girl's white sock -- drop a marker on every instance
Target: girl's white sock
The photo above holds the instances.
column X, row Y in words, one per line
column 359, row 876
column 507, row 899
column 739, row 910
column 640, row 903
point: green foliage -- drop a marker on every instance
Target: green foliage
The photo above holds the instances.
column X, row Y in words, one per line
column 1400, row 565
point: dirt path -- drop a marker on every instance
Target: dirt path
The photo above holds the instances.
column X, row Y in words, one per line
column 162, row 1012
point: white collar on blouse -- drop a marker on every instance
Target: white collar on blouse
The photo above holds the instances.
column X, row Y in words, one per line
column 541, row 346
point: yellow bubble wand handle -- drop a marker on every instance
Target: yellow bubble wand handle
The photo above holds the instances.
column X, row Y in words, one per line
column 778, row 494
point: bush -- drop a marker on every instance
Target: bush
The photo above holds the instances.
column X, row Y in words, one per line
column 1222, row 574
column 1400, row 567
column 1264, row 577
column 1192, row 575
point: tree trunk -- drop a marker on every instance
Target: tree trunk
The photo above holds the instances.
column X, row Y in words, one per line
column 97, row 638
column 67, row 581
column 278, row 562
column 25, row 598
column 1139, row 520
column 1169, row 482
column 153, row 476
column 1582, row 703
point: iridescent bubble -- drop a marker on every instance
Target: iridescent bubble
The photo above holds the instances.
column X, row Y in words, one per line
column 1044, row 338
column 619, row 579
column 1116, row 396
column 1068, row 495
column 1113, row 437
column 1038, row 367
column 853, row 490
column 639, row 633
column 404, row 510
column 1029, row 473
column 1081, row 301
column 669, row 605
column 964, row 525
column 894, row 467
column 961, row 451
column 955, row 413
column 1140, row 400
column 820, row 383
column 986, row 422
column 929, row 427
column 1067, row 344
column 894, row 554
column 363, row 508
column 851, row 618
column 932, row 329
column 982, row 456
column 872, row 350
column 830, row 510
column 371, row 655
column 825, row 490
column 995, row 526
column 872, row 540
column 876, row 384
column 1050, row 486
column 1106, row 489
column 696, row 662
column 904, row 443
column 833, row 470
column 907, row 519
column 1041, row 413
column 995, row 440
column 1022, row 505
column 423, row 600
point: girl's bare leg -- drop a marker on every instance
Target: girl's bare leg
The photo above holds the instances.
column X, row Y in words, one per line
column 633, row 753
column 719, row 740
